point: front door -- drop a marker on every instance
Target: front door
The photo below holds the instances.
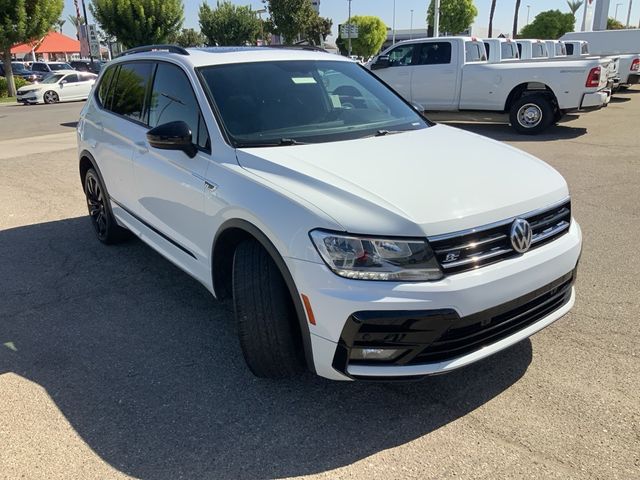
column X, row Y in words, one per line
column 434, row 82
column 398, row 73
column 169, row 184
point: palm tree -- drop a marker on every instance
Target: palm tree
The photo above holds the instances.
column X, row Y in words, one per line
column 60, row 24
column 75, row 20
column 491, row 12
column 515, row 19
column 574, row 5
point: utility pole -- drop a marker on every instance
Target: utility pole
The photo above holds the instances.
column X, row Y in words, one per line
column 349, row 30
column 393, row 35
column 436, row 18
column 629, row 14
column 411, row 27
column 86, row 30
column 616, row 14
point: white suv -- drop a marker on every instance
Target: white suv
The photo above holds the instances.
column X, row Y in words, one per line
column 354, row 236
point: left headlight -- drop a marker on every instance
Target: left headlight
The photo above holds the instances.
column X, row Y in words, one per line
column 372, row 258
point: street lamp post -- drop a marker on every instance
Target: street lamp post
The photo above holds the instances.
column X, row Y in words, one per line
column 629, row 14
column 616, row 14
column 260, row 12
column 393, row 26
column 411, row 27
column 436, row 18
column 349, row 30
column 528, row 10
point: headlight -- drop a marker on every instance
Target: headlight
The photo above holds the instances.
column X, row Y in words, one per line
column 370, row 258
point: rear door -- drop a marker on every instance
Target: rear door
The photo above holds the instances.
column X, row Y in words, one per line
column 434, row 82
column 398, row 73
column 86, row 82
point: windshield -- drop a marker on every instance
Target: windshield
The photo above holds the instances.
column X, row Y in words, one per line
column 288, row 102
column 18, row 67
column 52, row 78
column 60, row 66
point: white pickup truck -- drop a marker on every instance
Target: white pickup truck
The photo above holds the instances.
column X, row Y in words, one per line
column 452, row 74
column 624, row 44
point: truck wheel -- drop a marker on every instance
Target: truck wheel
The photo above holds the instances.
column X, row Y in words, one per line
column 531, row 114
column 265, row 314
column 104, row 223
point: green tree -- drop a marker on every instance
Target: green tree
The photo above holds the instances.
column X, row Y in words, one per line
column 613, row 24
column 229, row 24
column 371, row 35
column 291, row 18
column 551, row 24
column 456, row 16
column 319, row 27
column 139, row 22
column 574, row 5
column 189, row 37
column 22, row 21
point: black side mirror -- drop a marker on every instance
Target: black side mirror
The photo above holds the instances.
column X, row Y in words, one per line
column 172, row 136
column 381, row 62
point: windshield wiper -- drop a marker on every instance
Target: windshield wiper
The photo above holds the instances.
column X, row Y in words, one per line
column 382, row 133
column 283, row 142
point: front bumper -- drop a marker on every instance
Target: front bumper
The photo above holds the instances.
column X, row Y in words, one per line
column 595, row 100
column 461, row 296
column 27, row 98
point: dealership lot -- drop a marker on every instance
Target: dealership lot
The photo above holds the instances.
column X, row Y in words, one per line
column 115, row 364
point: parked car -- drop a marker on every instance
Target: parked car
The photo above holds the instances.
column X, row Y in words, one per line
column 624, row 44
column 361, row 240
column 61, row 86
column 500, row 49
column 48, row 67
column 553, row 50
column 19, row 71
column 87, row 65
column 451, row 74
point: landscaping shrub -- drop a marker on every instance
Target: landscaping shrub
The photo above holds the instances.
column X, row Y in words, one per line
column 20, row 82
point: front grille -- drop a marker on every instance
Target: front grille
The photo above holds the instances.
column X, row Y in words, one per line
column 475, row 331
column 460, row 252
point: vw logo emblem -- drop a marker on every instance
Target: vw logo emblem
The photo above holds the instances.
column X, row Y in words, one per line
column 521, row 235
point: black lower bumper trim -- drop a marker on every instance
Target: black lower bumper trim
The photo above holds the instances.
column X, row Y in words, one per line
column 431, row 336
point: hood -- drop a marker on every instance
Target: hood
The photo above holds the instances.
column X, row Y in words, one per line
column 430, row 181
column 28, row 88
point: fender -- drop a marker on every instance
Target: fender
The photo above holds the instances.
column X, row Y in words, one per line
column 284, row 271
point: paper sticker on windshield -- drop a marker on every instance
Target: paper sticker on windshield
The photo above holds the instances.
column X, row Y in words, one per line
column 303, row 79
column 335, row 101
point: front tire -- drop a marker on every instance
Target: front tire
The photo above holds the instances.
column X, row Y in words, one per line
column 104, row 223
column 531, row 114
column 50, row 97
column 265, row 314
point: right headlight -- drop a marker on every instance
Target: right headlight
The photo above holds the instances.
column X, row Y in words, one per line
column 372, row 258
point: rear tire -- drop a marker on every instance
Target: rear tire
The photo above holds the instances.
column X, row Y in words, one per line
column 104, row 223
column 531, row 114
column 265, row 314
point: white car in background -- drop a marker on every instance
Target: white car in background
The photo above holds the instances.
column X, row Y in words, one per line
column 61, row 86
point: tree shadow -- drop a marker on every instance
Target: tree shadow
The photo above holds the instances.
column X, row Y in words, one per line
column 146, row 367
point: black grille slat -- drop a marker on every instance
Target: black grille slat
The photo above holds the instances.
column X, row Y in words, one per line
column 468, row 251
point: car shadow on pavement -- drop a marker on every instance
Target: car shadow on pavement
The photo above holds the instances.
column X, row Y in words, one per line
column 69, row 124
column 505, row 133
column 146, row 367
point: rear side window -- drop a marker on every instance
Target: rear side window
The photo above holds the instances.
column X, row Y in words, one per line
column 487, row 48
column 130, row 90
column 560, row 49
column 434, row 53
column 509, row 50
column 39, row 67
column 569, row 47
column 538, row 50
column 473, row 52
column 173, row 99
column 103, row 88
column 585, row 49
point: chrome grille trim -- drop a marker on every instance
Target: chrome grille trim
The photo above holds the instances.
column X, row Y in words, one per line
column 477, row 247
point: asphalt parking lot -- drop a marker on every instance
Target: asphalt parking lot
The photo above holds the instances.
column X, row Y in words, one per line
column 115, row 364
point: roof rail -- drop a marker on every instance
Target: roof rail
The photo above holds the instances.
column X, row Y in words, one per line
column 156, row 48
column 312, row 48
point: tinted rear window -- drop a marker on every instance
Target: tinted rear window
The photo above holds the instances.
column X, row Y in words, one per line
column 569, row 48
column 538, row 50
column 509, row 50
column 130, row 90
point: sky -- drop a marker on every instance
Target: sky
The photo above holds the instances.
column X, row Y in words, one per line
column 337, row 10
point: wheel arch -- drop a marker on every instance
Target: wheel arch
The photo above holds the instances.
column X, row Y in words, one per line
column 530, row 88
column 230, row 234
